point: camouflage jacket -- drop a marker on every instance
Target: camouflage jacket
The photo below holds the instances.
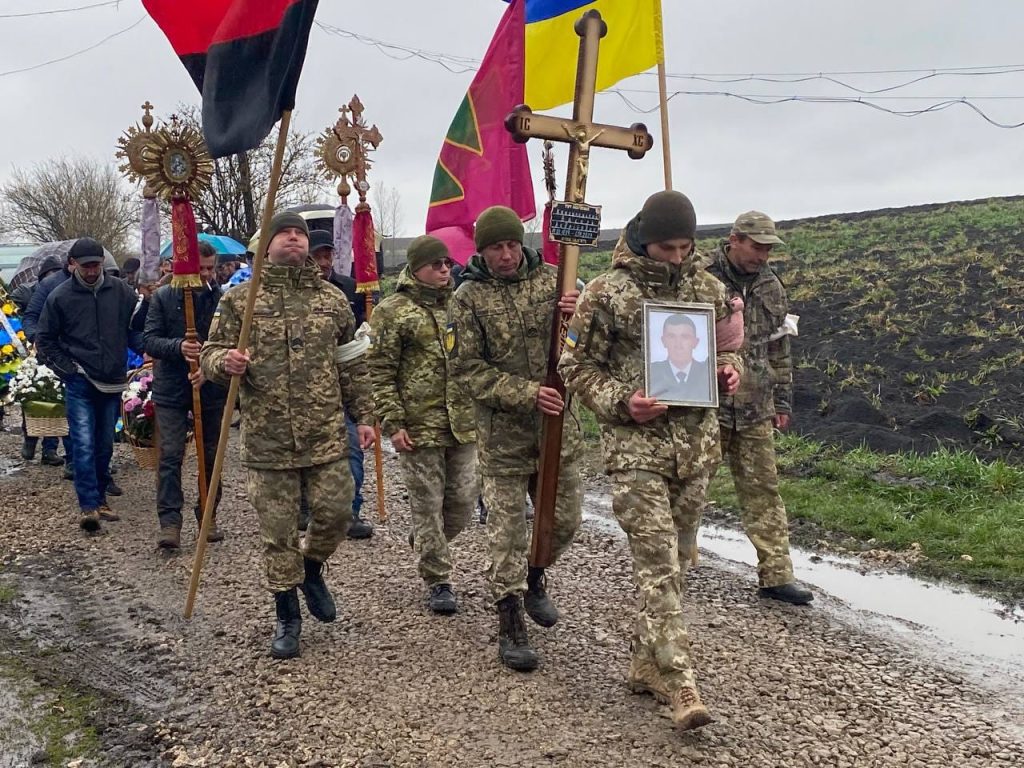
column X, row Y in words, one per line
column 408, row 367
column 767, row 387
column 603, row 362
column 498, row 335
column 294, row 391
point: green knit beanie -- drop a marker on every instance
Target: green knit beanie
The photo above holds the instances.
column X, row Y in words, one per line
column 497, row 224
column 425, row 250
column 287, row 219
column 665, row 216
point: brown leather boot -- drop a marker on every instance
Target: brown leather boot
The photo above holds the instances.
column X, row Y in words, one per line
column 688, row 711
column 106, row 513
column 645, row 678
column 169, row 538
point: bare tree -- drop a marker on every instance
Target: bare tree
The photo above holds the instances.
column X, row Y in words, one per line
column 233, row 203
column 534, row 236
column 387, row 211
column 66, row 198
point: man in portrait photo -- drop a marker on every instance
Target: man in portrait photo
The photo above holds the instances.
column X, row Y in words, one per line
column 681, row 376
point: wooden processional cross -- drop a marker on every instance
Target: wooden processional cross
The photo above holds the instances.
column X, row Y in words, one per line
column 573, row 223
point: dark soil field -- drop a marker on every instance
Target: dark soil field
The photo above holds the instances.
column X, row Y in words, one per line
column 911, row 327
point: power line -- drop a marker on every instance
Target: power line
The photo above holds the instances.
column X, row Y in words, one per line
column 76, row 53
column 939, row 106
column 454, row 64
column 59, row 10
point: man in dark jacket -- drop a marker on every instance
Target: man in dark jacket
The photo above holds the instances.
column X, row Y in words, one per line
column 84, row 333
column 172, row 391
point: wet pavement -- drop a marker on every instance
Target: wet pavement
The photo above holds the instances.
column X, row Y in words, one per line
column 955, row 627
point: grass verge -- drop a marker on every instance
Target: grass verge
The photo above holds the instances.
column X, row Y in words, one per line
column 966, row 515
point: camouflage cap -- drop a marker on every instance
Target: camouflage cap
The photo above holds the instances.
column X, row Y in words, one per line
column 758, row 227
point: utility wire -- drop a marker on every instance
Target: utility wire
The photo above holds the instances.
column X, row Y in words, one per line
column 53, row 11
column 938, row 106
column 76, row 53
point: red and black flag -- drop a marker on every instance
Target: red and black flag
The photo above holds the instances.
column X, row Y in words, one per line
column 245, row 57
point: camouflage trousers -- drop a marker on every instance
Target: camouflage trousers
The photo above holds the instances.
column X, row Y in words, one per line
column 276, row 494
column 507, row 534
column 660, row 516
column 442, row 488
column 751, row 455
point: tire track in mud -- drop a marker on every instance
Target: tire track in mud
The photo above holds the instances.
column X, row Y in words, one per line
column 92, row 635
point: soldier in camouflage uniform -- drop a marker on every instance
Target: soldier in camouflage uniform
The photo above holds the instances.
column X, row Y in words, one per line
column 498, row 335
column 293, row 392
column 762, row 402
column 428, row 418
column 659, row 457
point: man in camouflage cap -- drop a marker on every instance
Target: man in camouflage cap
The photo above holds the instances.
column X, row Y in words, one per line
column 763, row 400
column 660, row 458
column 498, row 334
column 429, row 419
column 293, row 392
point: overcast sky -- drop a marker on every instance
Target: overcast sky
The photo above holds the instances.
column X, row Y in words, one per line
column 790, row 160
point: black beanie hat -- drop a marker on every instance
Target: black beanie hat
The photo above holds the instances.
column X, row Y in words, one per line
column 497, row 224
column 667, row 215
column 425, row 250
column 287, row 219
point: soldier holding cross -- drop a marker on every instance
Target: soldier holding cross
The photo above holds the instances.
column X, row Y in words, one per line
column 497, row 336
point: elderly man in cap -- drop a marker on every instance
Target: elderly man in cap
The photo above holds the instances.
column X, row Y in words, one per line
column 321, row 249
column 763, row 401
column 499, row 330
column 84, row 334
column 429, row 419
column 293, row 394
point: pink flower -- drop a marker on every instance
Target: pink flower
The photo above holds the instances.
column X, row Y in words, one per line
column 132, row 404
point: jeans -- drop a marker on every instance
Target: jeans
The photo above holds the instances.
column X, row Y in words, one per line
column 355, row 464
column 172, row 423
column 92, row 417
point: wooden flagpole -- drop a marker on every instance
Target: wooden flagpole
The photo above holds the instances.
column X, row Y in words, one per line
column 243, row 342
column 197, row 404
column 659, row 37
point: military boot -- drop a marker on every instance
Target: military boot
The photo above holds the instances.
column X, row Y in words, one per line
column 442, row 600
column 538, row 604
column 288, row 627
column 791, row 593
column 644, row 677
column 514, row 647
column 688, row 711
column 318, row 598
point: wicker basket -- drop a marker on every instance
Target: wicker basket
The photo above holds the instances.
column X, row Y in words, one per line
column 46, row 426
column 146, row 457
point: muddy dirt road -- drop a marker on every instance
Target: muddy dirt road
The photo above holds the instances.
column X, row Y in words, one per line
column 391, row 685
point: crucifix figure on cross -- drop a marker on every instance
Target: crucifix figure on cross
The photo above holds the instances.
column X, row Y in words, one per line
column 581, row 133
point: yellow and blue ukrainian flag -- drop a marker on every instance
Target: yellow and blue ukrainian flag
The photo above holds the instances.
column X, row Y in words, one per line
column 633, row 45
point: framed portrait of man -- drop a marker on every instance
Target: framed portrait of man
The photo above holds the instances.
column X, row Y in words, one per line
column 679, row 354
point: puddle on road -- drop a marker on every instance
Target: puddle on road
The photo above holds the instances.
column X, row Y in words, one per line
column 10, row 466
column 959, row 627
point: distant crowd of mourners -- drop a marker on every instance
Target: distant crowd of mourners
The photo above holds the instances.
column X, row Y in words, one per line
column 683, row 358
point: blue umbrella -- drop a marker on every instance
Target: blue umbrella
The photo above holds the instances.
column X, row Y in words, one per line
column 220, row 243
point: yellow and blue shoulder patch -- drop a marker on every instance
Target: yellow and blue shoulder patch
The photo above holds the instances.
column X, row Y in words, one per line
column 449, row 338
column 571, row 339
